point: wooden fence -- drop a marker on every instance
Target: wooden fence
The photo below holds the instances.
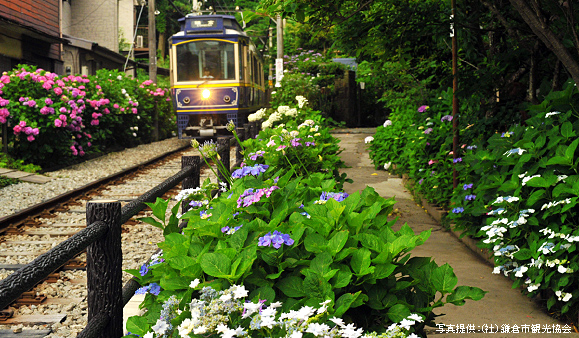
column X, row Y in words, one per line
column 102, row 240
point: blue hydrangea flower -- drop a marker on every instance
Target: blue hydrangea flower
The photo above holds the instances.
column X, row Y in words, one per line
column 458, row 210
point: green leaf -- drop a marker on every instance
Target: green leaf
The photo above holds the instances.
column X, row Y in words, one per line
column 315, row 242
column 215, row 264
column 152, row 221
column 138, row 325
column 361, row 262
column 398, row 312
column 383, row 270
column 538, row 182
column 458, row 296
column 344, row 302
column 567, row 129
column 444, row 279
column 559, row 160
column 180, row 262
column 342, row 278
column 523, row 254
column 337, row 242
column 570, row 152
column 320, row 265
column 535, row 196
column 292, row 286
column 160, row 208
column 174, row 283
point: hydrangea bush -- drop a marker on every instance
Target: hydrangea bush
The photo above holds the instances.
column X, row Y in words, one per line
column 521, row 202
column 294, row 239
column 227, row 313
column 53, row 119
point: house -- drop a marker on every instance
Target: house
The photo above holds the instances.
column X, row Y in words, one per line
column 96, row 32
column 30, row 33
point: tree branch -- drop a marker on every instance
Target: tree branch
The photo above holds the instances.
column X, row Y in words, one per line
column 547, row 37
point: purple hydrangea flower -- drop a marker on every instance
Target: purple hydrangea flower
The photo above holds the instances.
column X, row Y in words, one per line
column 277, row 239
column 155, row 289
column 467, row 186
column 458, row 210
column 446, row 118
column 428, row 130
column 469, row 197
column 144, row 269
column 295, row 142
column 456, row 160
column 247, row 170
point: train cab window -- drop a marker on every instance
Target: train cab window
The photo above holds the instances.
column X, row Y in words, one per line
column 201, row 60
column 241, row 63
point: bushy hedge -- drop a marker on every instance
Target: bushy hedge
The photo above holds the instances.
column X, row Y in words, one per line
column 517, row 191
column 52, row 120
column 293, row 238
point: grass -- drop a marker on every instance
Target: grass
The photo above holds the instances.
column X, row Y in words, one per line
column 10, row 163
column 5, row 181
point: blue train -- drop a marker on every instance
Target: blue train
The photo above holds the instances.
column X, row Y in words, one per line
column 216, row 75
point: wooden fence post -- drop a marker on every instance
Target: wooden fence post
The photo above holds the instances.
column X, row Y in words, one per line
column 223, row 151
column 192, row 181
column 238, row 154
column 104, row 267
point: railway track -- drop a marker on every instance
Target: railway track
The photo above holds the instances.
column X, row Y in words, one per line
column 57, row 307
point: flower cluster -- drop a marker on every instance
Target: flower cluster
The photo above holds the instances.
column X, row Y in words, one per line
column 249, row 170
column 152, row 288
column 155, row 259
column 275, row 239
column 325, row 196
column 446, row 118
column 251, row 196
column 226, row 314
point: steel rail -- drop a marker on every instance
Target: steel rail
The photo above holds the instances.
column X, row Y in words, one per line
column 22, row 215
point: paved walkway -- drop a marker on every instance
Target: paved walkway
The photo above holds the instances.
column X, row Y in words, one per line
column 501, row 305
column 24, row 176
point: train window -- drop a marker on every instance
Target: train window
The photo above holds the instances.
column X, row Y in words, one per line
column 205, row 60
column 241, row 63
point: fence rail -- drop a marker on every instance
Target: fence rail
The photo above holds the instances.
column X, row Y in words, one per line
column 102, row 240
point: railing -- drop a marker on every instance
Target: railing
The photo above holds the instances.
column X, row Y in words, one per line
column 102, row 241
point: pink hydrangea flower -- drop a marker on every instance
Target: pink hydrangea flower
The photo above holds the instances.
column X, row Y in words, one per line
column 58, row 123
column 30, row 138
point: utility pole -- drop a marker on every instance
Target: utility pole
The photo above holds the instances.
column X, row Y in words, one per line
column 152, row 43
column 455, row 147
column 153, row 63
column 279, row 60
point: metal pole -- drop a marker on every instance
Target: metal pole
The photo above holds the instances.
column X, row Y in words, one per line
column 152, row 43
column 455, row 146
column 279, row 37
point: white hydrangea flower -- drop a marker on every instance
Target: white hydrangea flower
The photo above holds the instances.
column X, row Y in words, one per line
column 387, row 123
column 368, row 139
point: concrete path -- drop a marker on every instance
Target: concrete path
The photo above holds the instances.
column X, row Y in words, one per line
column 502, row 305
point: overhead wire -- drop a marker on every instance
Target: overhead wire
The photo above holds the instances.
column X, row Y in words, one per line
column 134, row 37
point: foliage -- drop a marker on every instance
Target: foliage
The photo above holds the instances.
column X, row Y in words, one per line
column 525, row 187
column 296, row 239
column 57, row 119
column 10, row 163
column 227, row 312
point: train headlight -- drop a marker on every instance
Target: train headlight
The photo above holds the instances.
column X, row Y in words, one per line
column 206, row 93
column 226, row 98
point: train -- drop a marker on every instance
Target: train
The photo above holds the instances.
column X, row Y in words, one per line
column 216, row 75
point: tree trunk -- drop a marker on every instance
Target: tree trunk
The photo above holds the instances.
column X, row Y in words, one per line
column 547, row 37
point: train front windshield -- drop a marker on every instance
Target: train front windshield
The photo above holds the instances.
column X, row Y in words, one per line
column 203, row 60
